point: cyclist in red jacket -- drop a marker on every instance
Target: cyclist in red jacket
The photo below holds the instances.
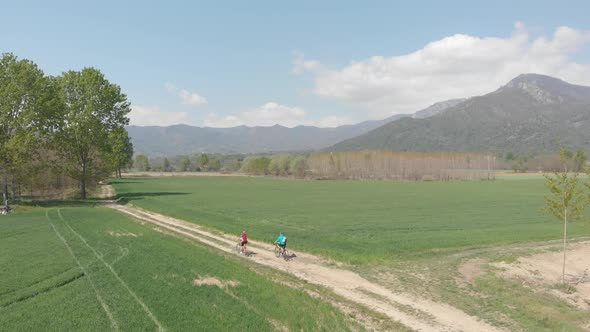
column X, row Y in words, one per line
column 243, row 241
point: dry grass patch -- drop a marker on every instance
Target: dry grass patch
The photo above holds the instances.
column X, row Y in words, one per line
column 212, row 281
column 119, row 234
column 544, row 270
column 470, row 270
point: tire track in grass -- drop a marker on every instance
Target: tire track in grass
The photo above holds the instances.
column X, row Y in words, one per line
column 41, row 291
column 116, row 275
column 105, row 307
column 35, row 283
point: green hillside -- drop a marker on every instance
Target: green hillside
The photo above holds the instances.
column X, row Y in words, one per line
column 532, row 113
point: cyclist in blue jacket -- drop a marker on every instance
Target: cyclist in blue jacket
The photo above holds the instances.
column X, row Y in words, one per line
column 282, row 240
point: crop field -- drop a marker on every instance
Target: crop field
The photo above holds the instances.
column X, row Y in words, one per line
column 358, row 221
column 83, row 268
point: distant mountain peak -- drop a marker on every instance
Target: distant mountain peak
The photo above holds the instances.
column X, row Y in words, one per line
column 535, row 79
column 546, row 89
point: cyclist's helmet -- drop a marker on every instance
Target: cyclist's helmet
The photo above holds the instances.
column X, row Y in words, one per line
column 282, row 232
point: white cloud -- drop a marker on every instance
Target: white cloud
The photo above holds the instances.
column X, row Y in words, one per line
column 455, row 66
column 300, row 65
column 152, row 116
column 271, row 114
column 187, row 97
column 217, row 121
column 334, row 121
column 268, row 114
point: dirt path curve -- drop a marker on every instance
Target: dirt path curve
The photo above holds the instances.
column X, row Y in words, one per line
column 417, row 313
column 107, row 191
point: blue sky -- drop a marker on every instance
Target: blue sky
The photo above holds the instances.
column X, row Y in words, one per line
column 321, row 63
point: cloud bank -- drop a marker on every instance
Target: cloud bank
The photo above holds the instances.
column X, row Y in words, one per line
column 271, row 114
column 453, row 67
column 153, row 116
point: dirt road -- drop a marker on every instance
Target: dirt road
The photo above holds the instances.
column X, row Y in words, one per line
column 417, row 313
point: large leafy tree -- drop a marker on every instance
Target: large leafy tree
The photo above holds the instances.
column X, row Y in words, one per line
column 27, row 104
column 141, row 163
column 204, row 161
column 94, row 109
column 121, row 150
column 166, row 165
column 185, row 164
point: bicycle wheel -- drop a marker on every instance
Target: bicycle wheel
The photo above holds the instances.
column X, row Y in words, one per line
column 238, row 248
column 277, row 251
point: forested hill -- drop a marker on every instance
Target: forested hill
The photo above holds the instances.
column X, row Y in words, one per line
column 532, row 113
column 184, row 140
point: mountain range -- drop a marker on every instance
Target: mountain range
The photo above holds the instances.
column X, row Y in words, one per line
column 186, row 140
column 531, row 113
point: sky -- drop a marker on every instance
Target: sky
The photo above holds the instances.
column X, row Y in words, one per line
column 321, row 63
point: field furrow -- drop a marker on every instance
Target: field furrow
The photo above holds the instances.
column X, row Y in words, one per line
column 132, row 277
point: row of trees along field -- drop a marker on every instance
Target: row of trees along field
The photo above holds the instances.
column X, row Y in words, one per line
column 528, row 162
column 192, row 163
column 278, row 165
column 385, row 164
column 57, row 132
column 342, row 165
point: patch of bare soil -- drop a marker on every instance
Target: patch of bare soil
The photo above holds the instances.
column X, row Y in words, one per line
column 410, row 310
column 107, row 191
column 119, row 234
column 278, row 325
column 471, row 270
column 545, row 270
column 200, row 281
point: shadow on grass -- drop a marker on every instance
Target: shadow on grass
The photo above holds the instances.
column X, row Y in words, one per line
column 127, row 197
column 56, row 203
column 123, row 181
column 91, row 202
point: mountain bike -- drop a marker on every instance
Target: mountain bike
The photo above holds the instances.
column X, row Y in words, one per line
column 280, row 251
column 242, row 249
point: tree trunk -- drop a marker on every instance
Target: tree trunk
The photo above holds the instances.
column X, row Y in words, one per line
column 488, row 158
column 12, row 187
column 83, row 182
column 5, row 192
column 564, row 244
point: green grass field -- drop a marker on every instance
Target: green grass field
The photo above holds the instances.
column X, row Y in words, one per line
column 94, row 269
column 358, row 221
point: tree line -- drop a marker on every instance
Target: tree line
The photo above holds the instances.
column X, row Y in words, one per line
column 188, row 163
column 368, row 164
column 59, row 131
column 565, row 160
column 417, row 166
